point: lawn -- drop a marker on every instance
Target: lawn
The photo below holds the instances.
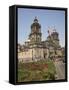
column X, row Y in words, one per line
column 36, row 71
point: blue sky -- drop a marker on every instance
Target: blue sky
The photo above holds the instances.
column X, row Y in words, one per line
column 46, row 18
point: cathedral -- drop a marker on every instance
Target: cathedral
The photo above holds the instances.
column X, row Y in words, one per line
column 35, row 49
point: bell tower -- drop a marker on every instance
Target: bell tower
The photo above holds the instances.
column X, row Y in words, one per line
column 35, row 35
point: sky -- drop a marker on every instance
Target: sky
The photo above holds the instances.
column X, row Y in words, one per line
column 47, row 18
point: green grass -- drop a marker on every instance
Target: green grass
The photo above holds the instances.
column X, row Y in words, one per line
column 36, row 71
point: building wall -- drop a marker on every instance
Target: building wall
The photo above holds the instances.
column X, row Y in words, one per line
column 59, row 52
column 25, row 56
column 46, row 53
column 38, row 54
column 33, row 54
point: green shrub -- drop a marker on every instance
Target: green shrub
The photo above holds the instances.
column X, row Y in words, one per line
column 33, row 71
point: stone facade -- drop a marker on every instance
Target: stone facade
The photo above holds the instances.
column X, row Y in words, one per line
column 35, row 49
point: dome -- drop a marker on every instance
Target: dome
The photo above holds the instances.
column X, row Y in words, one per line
column 55, row 33
column 35, row 23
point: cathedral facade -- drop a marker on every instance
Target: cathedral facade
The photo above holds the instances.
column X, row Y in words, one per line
column 34, row 49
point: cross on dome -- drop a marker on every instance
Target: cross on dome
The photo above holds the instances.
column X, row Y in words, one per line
column 35, row 20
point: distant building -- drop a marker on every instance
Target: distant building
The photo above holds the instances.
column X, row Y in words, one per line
column 34, row 49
